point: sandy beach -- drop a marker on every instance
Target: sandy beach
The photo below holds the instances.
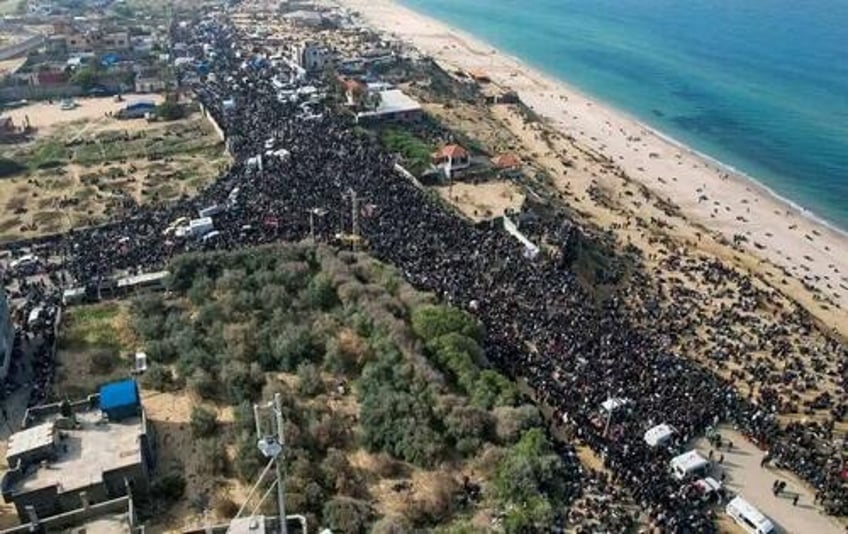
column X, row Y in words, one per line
column 809, row 252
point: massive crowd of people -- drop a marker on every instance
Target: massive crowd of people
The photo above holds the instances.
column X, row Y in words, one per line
column 541, row 323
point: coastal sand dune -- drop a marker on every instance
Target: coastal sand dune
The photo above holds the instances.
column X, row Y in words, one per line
column 709, row 194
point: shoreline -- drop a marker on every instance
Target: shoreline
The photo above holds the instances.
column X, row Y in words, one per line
column 709, row 193
column 556, row 80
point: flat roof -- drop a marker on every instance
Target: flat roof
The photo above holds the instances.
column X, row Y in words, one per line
column 86, row 452
column 110, row 524
column 393, row 101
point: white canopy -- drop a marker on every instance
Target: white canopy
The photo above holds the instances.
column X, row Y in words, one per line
column 614, row 403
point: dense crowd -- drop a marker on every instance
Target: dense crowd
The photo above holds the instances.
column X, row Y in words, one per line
column 541, row 323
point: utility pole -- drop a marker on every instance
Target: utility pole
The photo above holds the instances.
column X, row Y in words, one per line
column 354, row 201
column 272, row 446
column 320, row 212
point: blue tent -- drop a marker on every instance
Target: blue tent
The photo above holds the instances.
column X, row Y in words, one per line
column 120, row 400
column 107, row 60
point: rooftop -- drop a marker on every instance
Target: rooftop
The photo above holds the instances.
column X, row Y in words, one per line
column 85, row 452
column 451, row 151
column 393, row 101
column 30, row 438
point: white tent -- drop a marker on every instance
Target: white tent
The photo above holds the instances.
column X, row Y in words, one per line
column 614, row 403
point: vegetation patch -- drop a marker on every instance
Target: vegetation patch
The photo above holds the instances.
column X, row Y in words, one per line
column 390, row 410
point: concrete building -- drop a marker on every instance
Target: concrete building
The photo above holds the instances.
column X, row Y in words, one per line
column 309, row 56
column 7, row 337
column 116, row 516
column 99, row 450
column 391, row 105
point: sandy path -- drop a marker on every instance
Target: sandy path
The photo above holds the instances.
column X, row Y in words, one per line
column 745, row 477
column 707, row 193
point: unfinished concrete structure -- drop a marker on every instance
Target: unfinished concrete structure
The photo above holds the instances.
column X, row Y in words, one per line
column 73, row 455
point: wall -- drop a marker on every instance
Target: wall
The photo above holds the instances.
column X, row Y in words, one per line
column 215, row 125
column 19, row 48
column 76, row 517
column 40, row 92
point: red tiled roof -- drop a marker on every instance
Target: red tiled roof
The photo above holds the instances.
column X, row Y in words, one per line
column 352, row 85
column 506, row 161
column 452, row 152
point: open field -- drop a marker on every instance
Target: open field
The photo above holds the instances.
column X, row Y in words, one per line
column 95, row 346
column 91, row 166
column 482, row 201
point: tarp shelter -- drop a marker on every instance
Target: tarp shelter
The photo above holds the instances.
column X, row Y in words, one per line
column 658, row 435
column 120, row 400
column 614, row 403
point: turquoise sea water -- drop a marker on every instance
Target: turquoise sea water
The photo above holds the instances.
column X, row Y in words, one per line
column 761, row 85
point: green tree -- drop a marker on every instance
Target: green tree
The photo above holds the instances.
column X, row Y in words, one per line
column 432, row 321
column 170, row 110
column 86, row 77
column 530, row 481
column 346, row 515
column 309, row 380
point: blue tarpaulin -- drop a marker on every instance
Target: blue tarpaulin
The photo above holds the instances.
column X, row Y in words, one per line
column 120, row 400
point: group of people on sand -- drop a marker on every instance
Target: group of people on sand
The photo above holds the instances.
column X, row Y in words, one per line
column 541, row 324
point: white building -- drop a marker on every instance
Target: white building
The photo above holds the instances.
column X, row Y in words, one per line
column 392, row 105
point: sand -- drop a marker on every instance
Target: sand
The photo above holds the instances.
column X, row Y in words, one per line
column 745, row 477
column 708, row 194
column 46, row 116
column 483, row 201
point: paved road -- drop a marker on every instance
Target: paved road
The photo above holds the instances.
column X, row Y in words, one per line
column 745, row 477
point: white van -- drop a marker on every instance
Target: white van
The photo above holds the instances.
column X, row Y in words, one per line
column 688, row 465
column 749, row 518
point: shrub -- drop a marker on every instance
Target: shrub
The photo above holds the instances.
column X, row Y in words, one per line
column 430, row 322
column 309, row 380
column 170, row 110
column 469, row 427
column 493, row 389
column 437, row 505
column 511, row 422
column 157, row 377
column 248, row 461
column 204, row 384
column 293, row 347
column 346, row 515
column 320, row 293
column 529, row 480
column 243, row 382
column 215, row 461
column 203, row 422
column 103, row 362
column 169, row 487
column 391, row 525
column 224, row 507
column 10, row 168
